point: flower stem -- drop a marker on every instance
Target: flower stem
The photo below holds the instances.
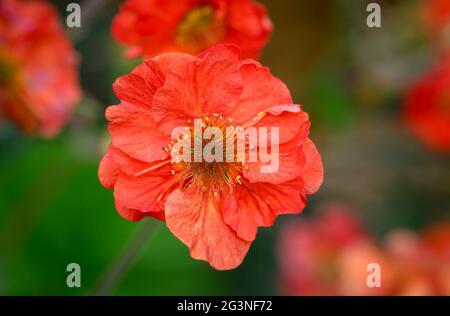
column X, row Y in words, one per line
column 126, row 258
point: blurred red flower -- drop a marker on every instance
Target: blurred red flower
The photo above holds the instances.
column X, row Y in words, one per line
column 328, row 255
column 38, row 73
column 427, row 107
column 437, row 16
column 422, row 262
column 150, row 27
column 214, row 208
column 437, row 240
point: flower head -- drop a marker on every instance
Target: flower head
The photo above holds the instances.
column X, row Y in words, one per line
column 38, row 75
column 214, row 207
column 421, row 261
column 327, row 256
column 331, row 255
column 150, row 27
column 427, row 107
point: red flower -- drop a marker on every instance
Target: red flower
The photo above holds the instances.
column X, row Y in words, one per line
column 38, row 75
column 328, row 256
column 422, row 262
column 427, row 107
column 437, row 239
column 150, row 27
column 214, row 208
column 437, row 16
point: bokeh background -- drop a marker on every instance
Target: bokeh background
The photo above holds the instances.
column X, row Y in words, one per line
column 350, row 78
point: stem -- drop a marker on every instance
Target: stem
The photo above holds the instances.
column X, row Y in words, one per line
column 126, row 258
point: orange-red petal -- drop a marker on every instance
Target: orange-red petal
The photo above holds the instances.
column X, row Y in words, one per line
column 108, row 171
column 261, row 92
column 192, row 88
column 136, row 215
column 256, row 205
column 313, row 169
column 135, row 133
column 145, row 193
column 195, row 217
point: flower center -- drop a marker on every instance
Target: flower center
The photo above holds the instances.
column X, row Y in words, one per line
column 199, row 29
column 216, row 175
column 9, row 69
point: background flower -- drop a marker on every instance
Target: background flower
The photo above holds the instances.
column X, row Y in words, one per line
column 150, row 27
column 38, row 67
column 427, row 107
column 330, row 255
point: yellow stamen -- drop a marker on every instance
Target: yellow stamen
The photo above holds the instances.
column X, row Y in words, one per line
column 199, row 29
